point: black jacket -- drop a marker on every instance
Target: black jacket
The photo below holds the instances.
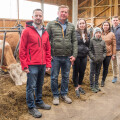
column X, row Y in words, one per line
column 83, row 48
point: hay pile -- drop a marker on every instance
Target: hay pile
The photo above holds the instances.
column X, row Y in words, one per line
column 13, row 98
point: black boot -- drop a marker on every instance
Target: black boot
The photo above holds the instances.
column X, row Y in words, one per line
column 102, row 83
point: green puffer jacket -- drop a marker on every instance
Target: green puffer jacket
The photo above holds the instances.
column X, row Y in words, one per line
column 62, row 45
column 97, row 50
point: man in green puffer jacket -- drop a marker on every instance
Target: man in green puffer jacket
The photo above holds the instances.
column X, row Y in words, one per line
column 63, row 50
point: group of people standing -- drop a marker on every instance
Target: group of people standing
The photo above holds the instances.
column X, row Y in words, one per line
column 58, row 46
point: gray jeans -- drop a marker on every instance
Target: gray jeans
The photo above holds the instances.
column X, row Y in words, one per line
column 94, row 73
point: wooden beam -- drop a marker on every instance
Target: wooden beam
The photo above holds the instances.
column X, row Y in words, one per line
column 81, row 4
column 84, row 7
column 116, row 7
column 83, row 12
column 101, row 17
column 104, row 6
column 110, row 2
column 92, row 14
column 99, row 2
column 102, row 11
column 4, row 22
column 101, row 23
column 74, row 12
column 18, row 21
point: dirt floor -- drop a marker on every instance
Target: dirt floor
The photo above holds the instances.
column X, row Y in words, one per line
column 13, row 98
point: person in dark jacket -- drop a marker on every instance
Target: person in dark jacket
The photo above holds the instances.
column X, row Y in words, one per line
column 110, row 41
column 63, row 50
column 97, row 53
column 80, row 63
column 35, row 58
column 116, row 62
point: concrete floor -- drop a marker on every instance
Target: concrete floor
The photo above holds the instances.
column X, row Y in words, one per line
column 104, row 105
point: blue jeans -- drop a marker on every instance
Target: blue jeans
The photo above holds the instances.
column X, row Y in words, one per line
column 64, row 63
column 35, row 79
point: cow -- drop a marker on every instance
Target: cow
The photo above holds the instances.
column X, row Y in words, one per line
column 14, row 68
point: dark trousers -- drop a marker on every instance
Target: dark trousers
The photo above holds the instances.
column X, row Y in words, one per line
column 79, row 70
column 106, row 63
column 94, row 73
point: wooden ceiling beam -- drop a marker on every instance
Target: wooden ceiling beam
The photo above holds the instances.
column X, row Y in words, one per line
column 116, row 7
column 81, row 4
column 101, row 23
column 102, row 11
column 83, row 12
column 99, row 2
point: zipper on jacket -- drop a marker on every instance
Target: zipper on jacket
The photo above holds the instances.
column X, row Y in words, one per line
column 42, row 50
column 38, row 42
column 29, row 54
column 62, row 29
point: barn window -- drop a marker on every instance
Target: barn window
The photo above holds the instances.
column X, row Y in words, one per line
column 9, row 9
column 50, row 12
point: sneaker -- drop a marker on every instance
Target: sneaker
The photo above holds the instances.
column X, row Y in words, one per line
column 77, row 93
column 114, row 80
column 43, row 106
column 102, row 83
column 81, row 90
column 66, row 99
column 94, row 90
column 56, row 100
column 34, row 112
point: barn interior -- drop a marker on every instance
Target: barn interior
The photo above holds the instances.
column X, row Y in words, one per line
column 12, row 97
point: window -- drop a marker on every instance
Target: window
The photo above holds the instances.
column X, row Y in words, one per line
column 26, row 8
column 8, row 9
column 50, row 12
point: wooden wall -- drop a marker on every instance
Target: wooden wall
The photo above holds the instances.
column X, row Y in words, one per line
column 97, row 11
column 13, row 22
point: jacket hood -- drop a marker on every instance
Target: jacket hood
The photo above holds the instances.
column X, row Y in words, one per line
column 29, row 24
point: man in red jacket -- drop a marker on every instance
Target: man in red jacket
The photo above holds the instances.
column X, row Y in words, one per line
column 35, row 58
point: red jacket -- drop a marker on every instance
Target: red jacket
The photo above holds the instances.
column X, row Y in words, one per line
column 33, row 49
